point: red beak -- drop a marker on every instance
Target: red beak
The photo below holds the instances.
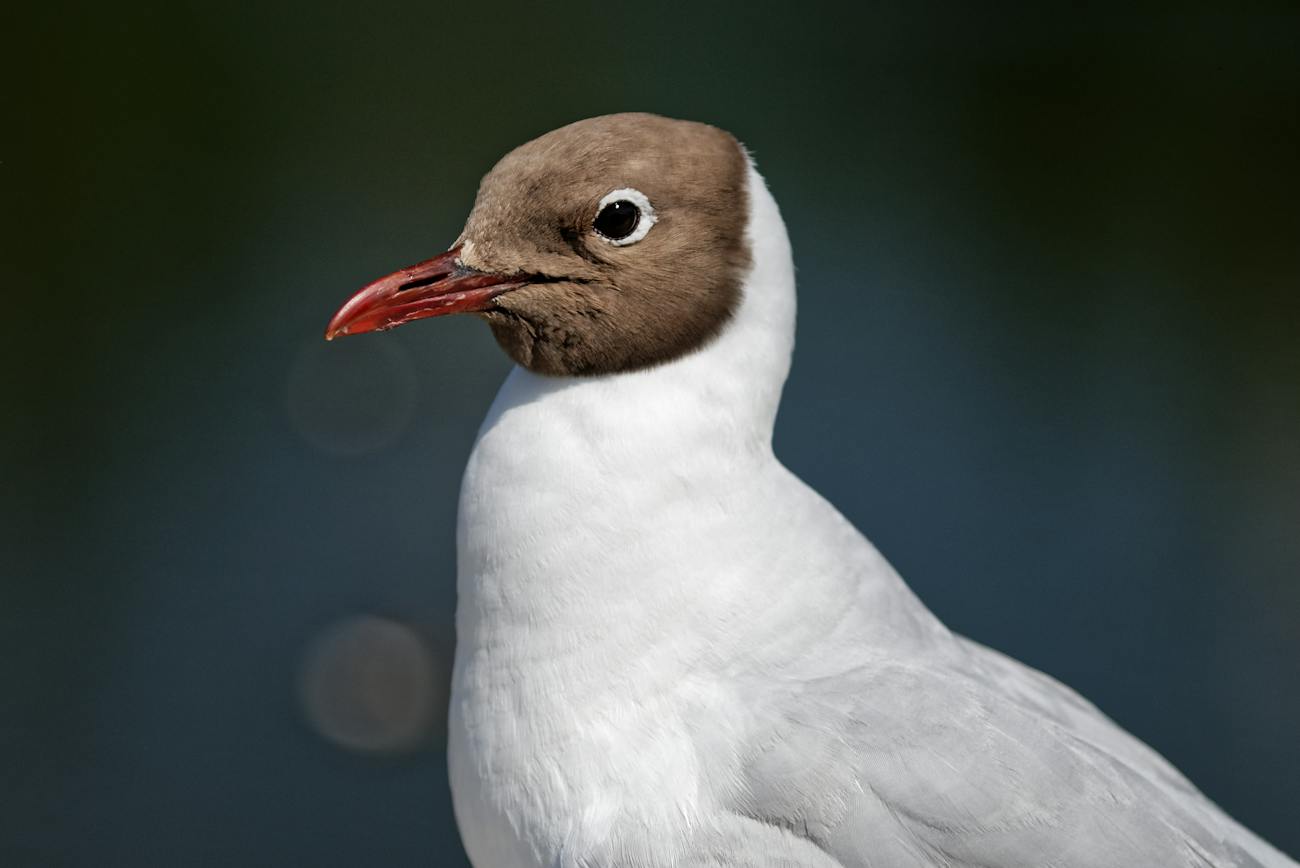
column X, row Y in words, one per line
column 434, row 287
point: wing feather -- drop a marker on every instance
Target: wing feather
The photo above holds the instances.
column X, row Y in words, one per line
column 973, row 759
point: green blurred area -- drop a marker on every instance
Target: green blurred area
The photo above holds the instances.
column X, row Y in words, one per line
column 1049, row 360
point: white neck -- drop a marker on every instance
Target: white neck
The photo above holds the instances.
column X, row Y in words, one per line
column 576, row 468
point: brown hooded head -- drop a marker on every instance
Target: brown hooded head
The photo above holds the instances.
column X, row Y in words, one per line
column 608, row 245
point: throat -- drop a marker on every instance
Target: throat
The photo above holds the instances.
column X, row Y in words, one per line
column 583, row 498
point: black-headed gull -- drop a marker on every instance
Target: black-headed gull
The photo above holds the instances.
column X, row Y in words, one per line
column 672, row 652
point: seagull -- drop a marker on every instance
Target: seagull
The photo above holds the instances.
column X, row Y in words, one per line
column 670, row 650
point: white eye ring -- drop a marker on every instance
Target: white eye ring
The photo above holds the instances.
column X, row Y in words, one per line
column 637, row 198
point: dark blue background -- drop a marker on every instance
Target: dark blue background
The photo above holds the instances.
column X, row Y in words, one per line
column 1048, row 361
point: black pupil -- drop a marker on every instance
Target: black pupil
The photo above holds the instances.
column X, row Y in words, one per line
column 618, row 220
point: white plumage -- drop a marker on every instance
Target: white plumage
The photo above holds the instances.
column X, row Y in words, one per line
column 672, row 652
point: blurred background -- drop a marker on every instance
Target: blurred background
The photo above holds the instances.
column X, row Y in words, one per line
column 1049, row 360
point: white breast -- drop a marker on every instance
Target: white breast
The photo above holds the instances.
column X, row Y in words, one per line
column 623, row 541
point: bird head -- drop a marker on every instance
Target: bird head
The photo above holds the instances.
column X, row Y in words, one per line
column 608, row 245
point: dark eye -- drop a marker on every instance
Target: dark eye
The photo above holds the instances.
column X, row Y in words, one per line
column 618, row 220
column 624, row 217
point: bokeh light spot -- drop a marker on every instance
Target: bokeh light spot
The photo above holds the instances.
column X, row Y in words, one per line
column 372, row 684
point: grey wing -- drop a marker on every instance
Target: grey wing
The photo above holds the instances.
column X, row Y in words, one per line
column 977, row 760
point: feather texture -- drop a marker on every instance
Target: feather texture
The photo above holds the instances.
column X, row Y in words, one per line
column 671, row 652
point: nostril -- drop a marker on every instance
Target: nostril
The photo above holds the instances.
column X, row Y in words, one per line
column 430, row 279
column 421, row 281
